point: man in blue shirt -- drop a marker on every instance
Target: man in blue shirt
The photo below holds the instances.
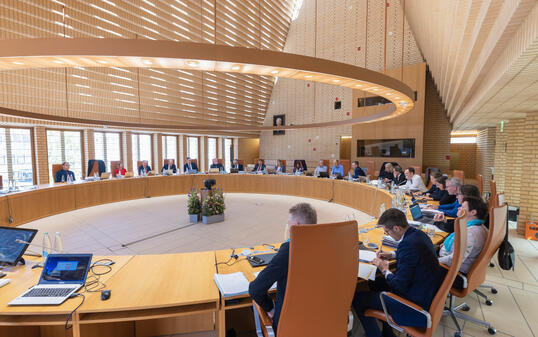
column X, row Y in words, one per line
column 61, row 176
column 337, row 169
column 417, row 277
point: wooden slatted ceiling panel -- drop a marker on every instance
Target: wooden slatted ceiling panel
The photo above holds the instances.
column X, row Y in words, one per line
column 482, row 56
column 146, row 95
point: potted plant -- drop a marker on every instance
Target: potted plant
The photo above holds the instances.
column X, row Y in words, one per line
column 193, row 201
column 213, row 207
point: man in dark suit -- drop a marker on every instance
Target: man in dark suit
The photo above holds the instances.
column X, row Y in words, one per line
column 216, row 165
column 356, row 170
column 144, row 169
column 190, row 166
column 277, row 269
column 399, row 176
column 417, row 277
column 169, row 166
column 236, row 165
column 61, row 176
column 259, row 167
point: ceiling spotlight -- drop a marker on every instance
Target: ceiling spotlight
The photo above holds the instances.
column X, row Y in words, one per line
column 58, row 61
column 388, row 94
column 336, row 81
column 235, row 68
column 274, row 72
column 403, row 104
column 15, row 62
column 102, row 61
column 147, row 62
column 192, row 63
column 308, row 76
column 358, row 85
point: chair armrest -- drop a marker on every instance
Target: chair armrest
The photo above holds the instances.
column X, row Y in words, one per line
column 463, row 277
column 405, row 302
column 264, row 318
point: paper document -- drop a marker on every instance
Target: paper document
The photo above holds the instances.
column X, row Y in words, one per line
column 366, row 256
column 273, row 287
column 437, row 230
column 367, row 271
column 231, row 284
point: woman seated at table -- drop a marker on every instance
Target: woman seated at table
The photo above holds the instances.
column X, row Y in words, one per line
column 298, row 169
column 433, row 192
column 120, row 171
column 280, row 167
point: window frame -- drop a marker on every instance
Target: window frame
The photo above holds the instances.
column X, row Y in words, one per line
column 82, row 149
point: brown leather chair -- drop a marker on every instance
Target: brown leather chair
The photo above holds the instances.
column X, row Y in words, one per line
column 477, row 274
column 114, row 165
column 433, row 316
column 328, row 163
column 334, row 262
column 418, row 170
column 493, row 199
column 165, row 161
column 480, row 183
column 95, row 169
column 346, row 163
column 55, row 168
column 460, row 175
column 221, row 161
column 256, row 161
column 242, row 162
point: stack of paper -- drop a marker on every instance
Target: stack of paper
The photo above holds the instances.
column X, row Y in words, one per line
column 273, row 287
column 366, row 256
column 231, row 284
column 367, row 271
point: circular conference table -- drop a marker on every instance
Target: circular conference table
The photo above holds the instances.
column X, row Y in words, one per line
column 153, row 294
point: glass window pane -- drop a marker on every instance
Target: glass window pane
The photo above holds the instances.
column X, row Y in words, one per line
column 211, row 150
column 3, row 158
column 73, row 152
column 134, row 141
column 142, row 149
column 54, row 149
column 227, row 154
column 99, row 141
column 170, row 148
column 113, row 149
column 192, row 147
column 21, row 154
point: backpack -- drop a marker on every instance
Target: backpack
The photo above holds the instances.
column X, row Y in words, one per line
column 506, row 254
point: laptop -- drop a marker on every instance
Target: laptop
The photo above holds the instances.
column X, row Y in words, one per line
column 62, row 275
column 13, row 243
column 417, row 215
column 324, row 174
column 260, row 260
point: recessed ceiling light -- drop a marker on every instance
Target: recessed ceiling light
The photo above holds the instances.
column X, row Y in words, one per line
column 307, row 76
column 235, row 68
column 192, row 63
column 16, row 62
column 358, row 85
column 274, row 72
column 147, row 62
column 58, row 61
column 336, row 81
column 389, row 94
column 102, row 61
column 403, row 104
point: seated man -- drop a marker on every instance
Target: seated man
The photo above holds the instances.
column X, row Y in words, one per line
column 61, row 176
column 337, row 169
column 169, row 166
column 144, row 169
column 399, row 176
column 190, row 166
column 476, row 211
column 453, row 185
column 414, row 181
column 443, row 195
column 387, row 173
column 417, row 277
column 280, row 167
column 447, row 225
column 356, row 171
column 216, row 165
column 320, row 168
column 260, row 167
column 277, row 269
column 236, row 165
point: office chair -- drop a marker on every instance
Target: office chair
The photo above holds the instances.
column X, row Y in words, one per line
column 433, row 315
column 459, row 174
column 477, row 274
column 325, row 276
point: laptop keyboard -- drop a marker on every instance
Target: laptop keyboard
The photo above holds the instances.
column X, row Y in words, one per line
column 48, row 292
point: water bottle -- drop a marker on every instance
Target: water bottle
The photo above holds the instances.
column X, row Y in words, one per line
column 349, row 177
column 47, row 245
column 381, row 209
column 63, row 178
column 392, row 187
column 58, row 244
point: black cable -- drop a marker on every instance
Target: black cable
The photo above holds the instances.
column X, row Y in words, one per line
column 67, row 327
column 232, row 256
column 93, row 283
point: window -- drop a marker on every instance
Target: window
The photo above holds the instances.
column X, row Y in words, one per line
column 462, row 140
column 65, row 146
column 107, row 147
column 16, row 156
column 211, row 150
column 141, row 150
column 192, row 147
column 170, row 148
column 228, row 151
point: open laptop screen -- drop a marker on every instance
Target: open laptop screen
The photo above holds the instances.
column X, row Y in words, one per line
column 416, row 213
column 66, row 268
column 11, row 250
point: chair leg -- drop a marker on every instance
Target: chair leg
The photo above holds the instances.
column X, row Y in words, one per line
column 492, row 288
column 454, row 313
column 481, row 294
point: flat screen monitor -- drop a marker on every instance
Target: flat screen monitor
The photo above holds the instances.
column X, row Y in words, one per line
column 10, row 250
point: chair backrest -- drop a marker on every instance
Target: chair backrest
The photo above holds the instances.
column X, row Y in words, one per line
column 493, row 194
column 328, row 163
column 329, row 272
column 283, row 162
column 459, row 174
column 497, row 230
column 429, row 171
column 55, row 168
column 346, row 163
column 256, row 161
column 242, row 162
column 221, row 161
column 418, row 170
column 95, row 168
column 138, row 164
column 165, row 161
column 460, row 243
column 114, row 165
column 480, row 183
column 371, row 168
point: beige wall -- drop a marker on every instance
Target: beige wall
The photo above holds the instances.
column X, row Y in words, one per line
column 485, row 154
column 249, row 150
column 463, row 157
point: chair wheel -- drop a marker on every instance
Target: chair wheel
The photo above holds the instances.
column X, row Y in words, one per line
column 491, row 264
column 489, row 302
column 466, row 308
column 494, row 291
column 492, row 331
column 457, row 334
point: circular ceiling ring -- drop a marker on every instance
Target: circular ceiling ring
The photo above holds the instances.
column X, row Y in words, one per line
column 54, row 53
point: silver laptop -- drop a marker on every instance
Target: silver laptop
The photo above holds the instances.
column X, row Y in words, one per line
column 62, row 275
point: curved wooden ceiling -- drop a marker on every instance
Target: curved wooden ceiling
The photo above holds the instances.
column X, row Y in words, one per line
column 483, row 55
column 147, row 95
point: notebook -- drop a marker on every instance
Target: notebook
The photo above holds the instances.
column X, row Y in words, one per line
column 231, row 284
column 366, row 255
column 367, row 271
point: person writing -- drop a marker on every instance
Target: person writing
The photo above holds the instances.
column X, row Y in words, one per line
column 277, row 269
column 320, row 168
column 169, row 166
column 120, row 171
column 236, row 165
column 216, row 165
column 337, row 169
column 259, row 167
column 190, row 166
column 356, row 171
column 417, row 277
column 62, row 175
column 144, row 169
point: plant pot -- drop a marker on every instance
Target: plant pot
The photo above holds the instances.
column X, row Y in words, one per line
column 194, row 218
column 212, row 218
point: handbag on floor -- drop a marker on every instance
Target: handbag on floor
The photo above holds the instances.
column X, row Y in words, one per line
column 506, row 254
